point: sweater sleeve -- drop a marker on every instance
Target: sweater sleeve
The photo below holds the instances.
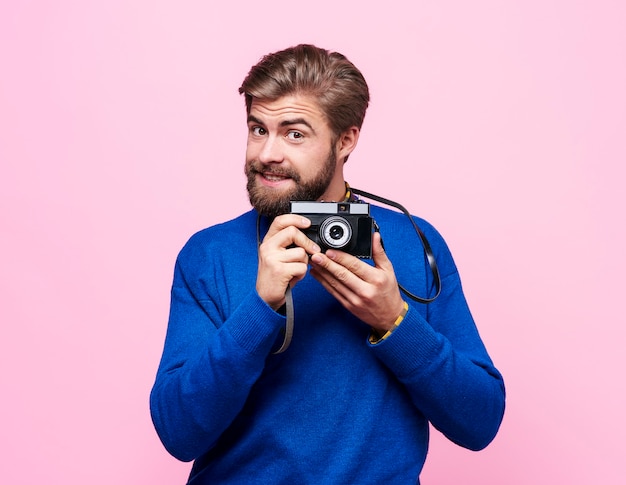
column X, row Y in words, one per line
column 440, row 358
column 209, row 365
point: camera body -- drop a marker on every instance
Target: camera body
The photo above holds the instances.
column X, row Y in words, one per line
column 346, row 226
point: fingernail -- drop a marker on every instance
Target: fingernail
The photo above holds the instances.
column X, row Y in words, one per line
column 316, row 258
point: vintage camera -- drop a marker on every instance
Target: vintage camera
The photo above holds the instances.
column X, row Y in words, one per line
column 338, row 225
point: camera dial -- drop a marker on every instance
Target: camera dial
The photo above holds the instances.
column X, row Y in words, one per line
column 335, row 232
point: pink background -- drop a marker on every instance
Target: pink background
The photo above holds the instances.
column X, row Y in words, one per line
column 122, row 133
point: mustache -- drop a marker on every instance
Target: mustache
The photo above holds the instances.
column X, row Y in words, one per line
column 256, row 167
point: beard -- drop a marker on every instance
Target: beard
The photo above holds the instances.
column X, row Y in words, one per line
column 272, row 203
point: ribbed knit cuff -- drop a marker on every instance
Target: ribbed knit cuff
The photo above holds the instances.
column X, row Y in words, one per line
column 254, row 325
column 411, row 347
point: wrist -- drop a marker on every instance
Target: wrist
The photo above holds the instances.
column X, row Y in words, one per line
column 376, row 336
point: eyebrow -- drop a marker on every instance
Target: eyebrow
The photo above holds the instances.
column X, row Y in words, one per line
column 295, row 121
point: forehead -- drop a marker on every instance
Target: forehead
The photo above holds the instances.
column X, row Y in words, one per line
column 288, row 107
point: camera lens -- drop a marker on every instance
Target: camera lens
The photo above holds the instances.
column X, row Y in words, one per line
column 335, row 232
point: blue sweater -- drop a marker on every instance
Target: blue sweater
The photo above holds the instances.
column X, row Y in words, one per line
column 333, row 408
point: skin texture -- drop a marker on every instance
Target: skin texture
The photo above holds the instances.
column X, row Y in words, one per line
column 292, row 154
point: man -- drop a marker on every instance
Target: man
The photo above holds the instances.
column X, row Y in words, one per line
column 350, row 400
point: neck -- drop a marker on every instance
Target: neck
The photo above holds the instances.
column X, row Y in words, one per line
column 336, row 192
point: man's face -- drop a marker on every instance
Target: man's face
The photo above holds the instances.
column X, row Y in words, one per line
column 291, row 155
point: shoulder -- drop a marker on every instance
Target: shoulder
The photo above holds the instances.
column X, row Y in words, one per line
column 239, row 232
column 401, row 236
column 398, row 224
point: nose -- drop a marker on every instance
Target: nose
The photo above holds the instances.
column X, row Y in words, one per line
column 271, row 150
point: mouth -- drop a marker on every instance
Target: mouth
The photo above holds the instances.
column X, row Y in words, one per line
column 273, row 179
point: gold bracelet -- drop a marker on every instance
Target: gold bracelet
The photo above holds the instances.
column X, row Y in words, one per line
column 398, row 321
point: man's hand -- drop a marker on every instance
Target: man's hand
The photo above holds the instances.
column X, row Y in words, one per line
column 283, row 258
column 370, row 293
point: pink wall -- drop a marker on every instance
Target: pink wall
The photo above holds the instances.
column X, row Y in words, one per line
column 121, row 133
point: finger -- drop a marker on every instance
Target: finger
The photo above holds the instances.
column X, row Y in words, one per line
column 336, row 271
column 295, row 255
column 344, row 261
column 334, row 286
column 285, row 231
column 286, row 220
column 379, row 256
column 288, row 238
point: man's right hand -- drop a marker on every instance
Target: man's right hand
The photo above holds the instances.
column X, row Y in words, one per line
column 283, row 258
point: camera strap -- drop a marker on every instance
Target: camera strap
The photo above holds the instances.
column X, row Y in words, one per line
column 428, row 252
column 288, row 330
column 289, row 314
column 432, row 263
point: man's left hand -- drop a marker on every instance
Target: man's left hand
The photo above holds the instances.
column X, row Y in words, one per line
column 371, row 293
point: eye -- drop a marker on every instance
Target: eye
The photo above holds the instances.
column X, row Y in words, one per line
column 257, row 130
column 295, row 136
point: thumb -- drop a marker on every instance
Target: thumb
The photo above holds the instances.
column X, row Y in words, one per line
column 378, row 252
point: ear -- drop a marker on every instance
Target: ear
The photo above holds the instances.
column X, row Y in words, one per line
column 347, row 142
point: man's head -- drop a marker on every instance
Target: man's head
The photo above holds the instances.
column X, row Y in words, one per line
column 329, row 77
column 305, row 109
